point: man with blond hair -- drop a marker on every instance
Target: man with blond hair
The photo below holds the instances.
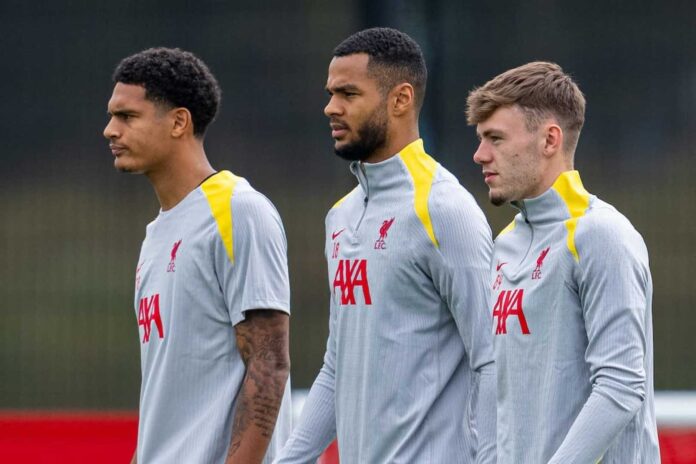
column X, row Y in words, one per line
column 571, row 286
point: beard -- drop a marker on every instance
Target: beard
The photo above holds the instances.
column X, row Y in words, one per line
column 372, row 135
column 497, row 200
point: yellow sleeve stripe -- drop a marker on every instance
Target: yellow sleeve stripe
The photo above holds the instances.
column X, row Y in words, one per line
column 570, row 188
column 218, row 190
column 422, row 169
column 507, row 228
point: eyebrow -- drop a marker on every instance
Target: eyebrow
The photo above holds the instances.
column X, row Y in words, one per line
column 120, row 112
column 343, row 88
column 488, row 132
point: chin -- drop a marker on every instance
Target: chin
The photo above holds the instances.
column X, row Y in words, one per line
column 124, row 167
column 497, row 199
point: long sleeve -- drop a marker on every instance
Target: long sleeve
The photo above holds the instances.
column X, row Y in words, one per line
column 614, row 288
column 317, row 425
column 461, row 275
column 485, row 413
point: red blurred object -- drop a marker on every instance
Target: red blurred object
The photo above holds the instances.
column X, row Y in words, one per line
column 678, row 446
column 67, row 437
column 110, row 437
column 330, row 455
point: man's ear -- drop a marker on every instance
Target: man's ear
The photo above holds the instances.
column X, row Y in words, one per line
column 402, row 99
column 553, row 139
column 182, row 122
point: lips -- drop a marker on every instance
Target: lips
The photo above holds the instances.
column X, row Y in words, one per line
column 488, row 176
column 116, row 149
column 338, row 129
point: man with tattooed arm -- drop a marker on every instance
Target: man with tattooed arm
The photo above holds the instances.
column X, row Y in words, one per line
column 211, row 285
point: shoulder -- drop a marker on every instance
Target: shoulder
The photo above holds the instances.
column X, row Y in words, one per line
column 251, row 200
column 448, row 197
column 454, row 212
column 605, row 231
column 240, row 212
column 345, row 203
column 253, row 214
column 344, row 198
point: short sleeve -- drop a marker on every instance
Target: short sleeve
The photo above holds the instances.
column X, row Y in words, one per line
column 256, row 275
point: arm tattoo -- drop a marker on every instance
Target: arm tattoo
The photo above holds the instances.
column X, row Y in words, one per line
column 262, row 340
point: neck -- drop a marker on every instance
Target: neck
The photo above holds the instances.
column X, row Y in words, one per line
column 548, row 176
column 182, row 173
column 396, row 141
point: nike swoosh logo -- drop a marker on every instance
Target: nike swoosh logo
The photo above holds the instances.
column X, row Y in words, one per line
column 499, row 265
column 336, row 234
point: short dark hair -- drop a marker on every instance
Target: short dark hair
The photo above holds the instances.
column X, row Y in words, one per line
column 174, row 78
column 394, row 58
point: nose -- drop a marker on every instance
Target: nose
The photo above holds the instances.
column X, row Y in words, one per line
column 332, row 108
column 110, row 131
column 482, row 154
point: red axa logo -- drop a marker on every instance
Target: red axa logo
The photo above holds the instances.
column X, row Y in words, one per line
column 509, row 304
column 536, row 273
column 350, row 275
column 379, row 244
column 172, row 260
column 149, row 312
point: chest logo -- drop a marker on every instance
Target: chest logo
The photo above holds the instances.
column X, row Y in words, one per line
column 149, row 312
column 172, row 261
column 498, row 278
column 536, row 273
column 380, row 244
column 137, row 276
column 336, row 245
column 509, row 304
column 352, row 274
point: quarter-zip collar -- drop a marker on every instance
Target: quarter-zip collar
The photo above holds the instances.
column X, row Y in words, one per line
column 566, row 199
column 385, row 175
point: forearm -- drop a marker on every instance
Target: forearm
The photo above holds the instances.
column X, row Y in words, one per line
column 486, row 414
column 262, row 340
column 601, row 419
column 257, row 410
column 317, row 426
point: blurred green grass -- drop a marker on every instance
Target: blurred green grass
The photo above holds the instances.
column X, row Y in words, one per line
column 68, row 335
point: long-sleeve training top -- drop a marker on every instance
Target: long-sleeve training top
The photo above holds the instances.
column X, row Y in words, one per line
column 408, row 373
column 571, row 305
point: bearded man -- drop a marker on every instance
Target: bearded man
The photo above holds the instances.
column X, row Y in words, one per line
column 408, row 373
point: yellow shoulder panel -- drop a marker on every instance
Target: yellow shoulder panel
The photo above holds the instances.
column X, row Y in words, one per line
column 422, row 169
column 570, row 188
column 338, row 203
column 507, row 228
column 218, row 190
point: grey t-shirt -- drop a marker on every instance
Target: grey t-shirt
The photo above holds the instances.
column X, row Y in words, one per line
column 218, row 253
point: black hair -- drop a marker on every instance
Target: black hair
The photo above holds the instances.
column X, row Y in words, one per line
column 174, row 78
column 394, row 58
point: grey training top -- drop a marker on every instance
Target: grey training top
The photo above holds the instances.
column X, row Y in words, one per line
column 572, row 321
column 408, row 254
column 219, row 252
